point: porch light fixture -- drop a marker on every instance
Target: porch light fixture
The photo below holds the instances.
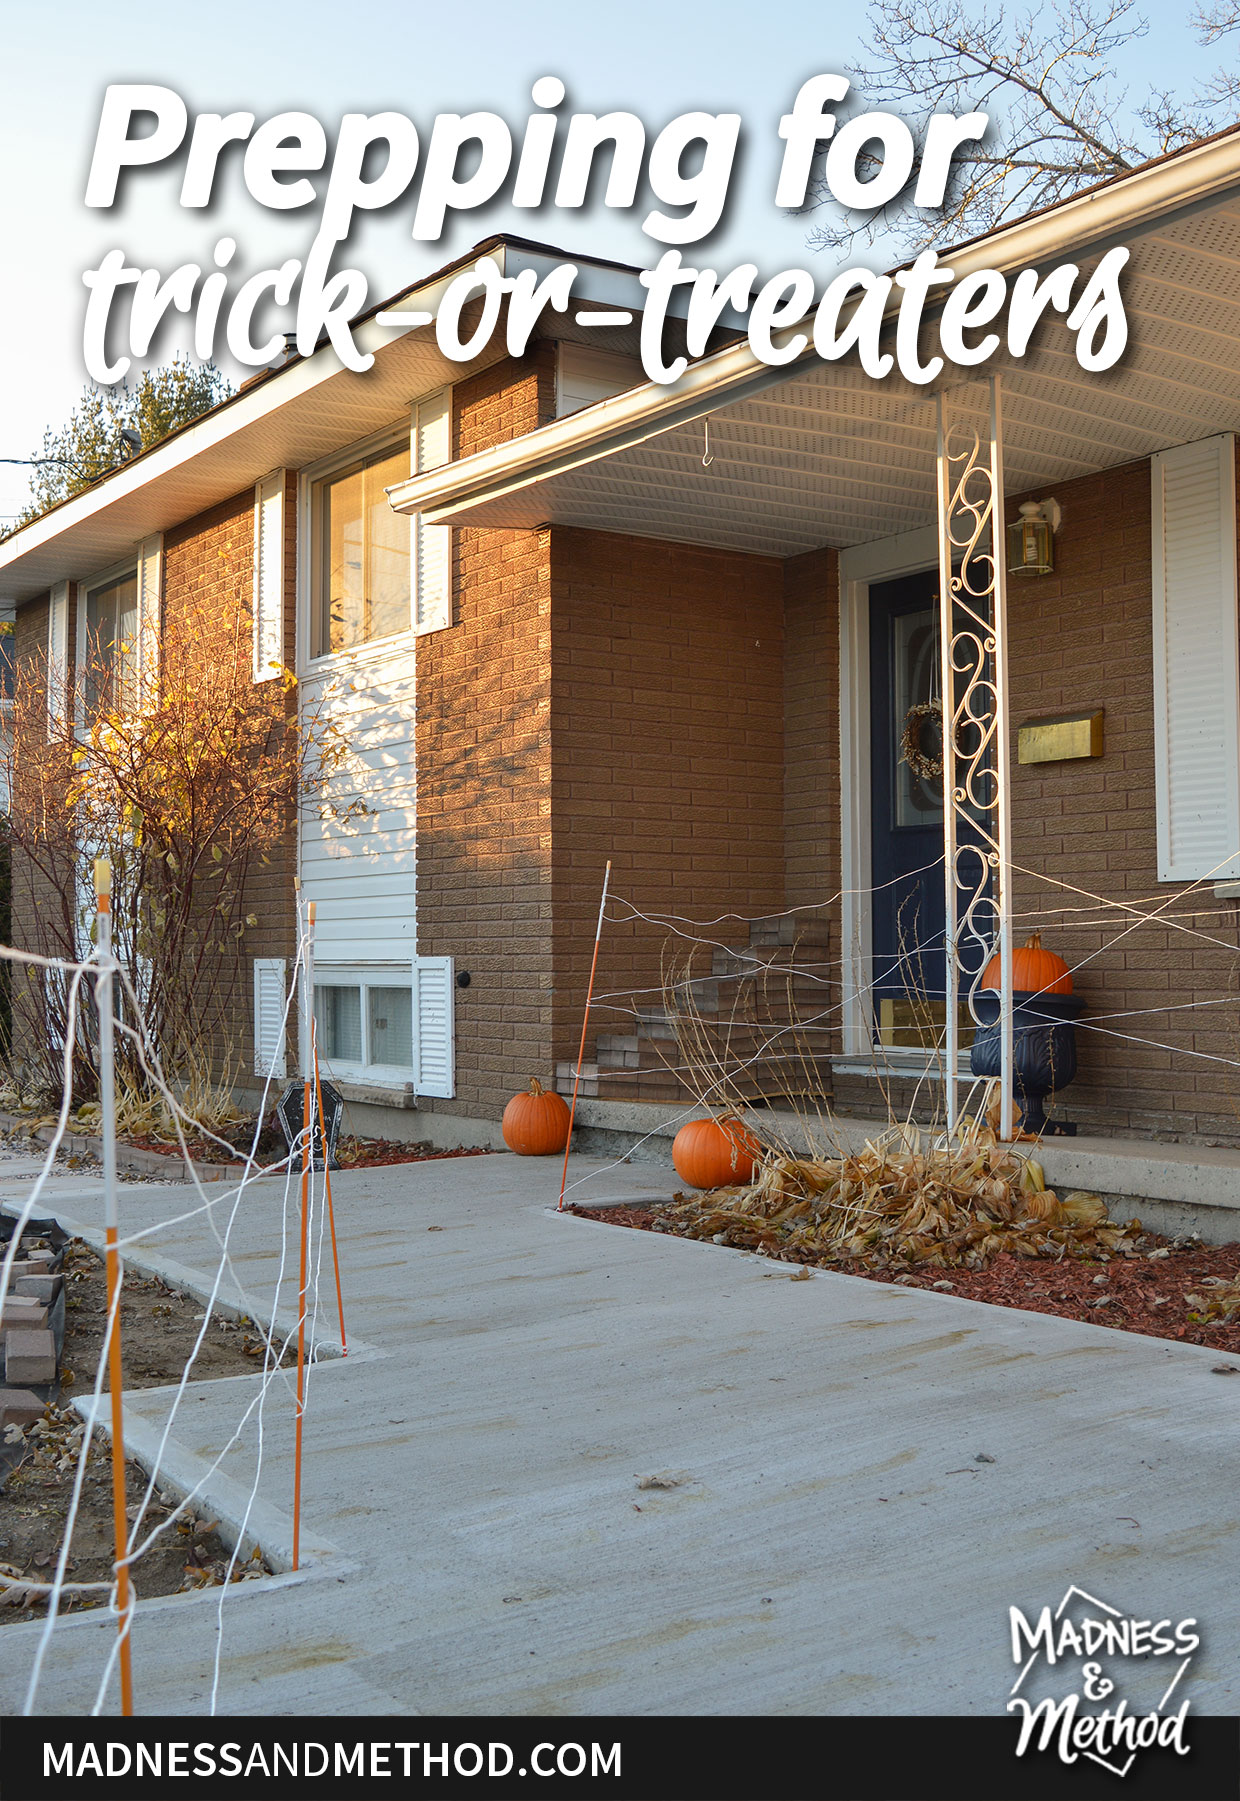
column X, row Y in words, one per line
column 1030, row 546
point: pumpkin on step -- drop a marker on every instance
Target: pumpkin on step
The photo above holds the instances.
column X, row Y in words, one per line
column 1034, row 970
column 715, row 1153
column 535, row 1124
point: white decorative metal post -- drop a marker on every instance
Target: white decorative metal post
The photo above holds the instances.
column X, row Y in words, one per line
column 973, row 640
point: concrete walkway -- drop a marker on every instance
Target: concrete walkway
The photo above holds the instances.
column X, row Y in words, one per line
column 831, row 1544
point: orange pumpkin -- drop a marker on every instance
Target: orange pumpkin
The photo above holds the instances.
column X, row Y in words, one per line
column 1034, row 970
column 535, row 1124
column 715, row 1153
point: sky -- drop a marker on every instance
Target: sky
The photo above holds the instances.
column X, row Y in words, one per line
column 656, row 58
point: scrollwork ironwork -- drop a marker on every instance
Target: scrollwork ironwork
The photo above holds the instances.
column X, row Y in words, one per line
column 974, row 702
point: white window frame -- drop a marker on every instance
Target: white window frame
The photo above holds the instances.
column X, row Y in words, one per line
column 402, row 430
column 103, row 578
column 365, row 976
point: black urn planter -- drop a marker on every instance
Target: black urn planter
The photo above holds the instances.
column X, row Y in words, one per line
column 1043, row 1050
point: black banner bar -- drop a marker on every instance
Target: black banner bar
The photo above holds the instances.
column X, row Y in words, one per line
column 824, row 1758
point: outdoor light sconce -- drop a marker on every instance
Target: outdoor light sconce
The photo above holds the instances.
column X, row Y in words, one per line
column 1030, row 548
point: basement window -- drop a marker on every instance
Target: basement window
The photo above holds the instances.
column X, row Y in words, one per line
column 364, row 1021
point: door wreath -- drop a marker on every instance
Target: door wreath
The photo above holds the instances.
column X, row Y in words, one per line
column 921, row 759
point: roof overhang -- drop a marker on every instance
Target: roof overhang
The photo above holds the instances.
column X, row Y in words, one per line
column 814, row 453
column 289, row 417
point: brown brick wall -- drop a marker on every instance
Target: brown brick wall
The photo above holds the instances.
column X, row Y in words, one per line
column 208, row 575
column 812, row 760
column 667, row 752
column 209, row 590
column 1082, row 638
column 484, row 769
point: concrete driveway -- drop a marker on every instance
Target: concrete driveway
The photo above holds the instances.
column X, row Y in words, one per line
column 479, row 1538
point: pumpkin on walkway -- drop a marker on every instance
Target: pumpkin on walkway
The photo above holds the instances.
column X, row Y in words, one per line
column 1034, row 970
column 715, row 1153
column 535, row 1124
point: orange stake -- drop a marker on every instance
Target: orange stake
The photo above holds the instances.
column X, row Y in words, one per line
column 572, row 1112
column 327, row 1181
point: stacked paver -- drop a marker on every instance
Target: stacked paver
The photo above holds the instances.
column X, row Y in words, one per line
column 32, row 1324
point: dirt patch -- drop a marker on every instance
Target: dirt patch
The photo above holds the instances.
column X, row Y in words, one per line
column 353, row 1153
column 1147, row 1290
column 34, row 1507
column 159, row 1326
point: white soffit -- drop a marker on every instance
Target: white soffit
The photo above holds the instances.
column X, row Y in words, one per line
column 827, row 456
column 299, row 414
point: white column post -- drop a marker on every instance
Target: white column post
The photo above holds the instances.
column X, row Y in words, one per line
column 951, row 1040
column 1002, row 754
column 976, row 740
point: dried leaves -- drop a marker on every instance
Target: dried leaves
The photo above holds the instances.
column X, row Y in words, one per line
column 1221, row 1302
column 903, row 1200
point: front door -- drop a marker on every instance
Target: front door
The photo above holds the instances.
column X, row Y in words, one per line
column 908, row 911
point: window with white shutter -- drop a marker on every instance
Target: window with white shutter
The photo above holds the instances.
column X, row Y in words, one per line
column 269, row 576
column 434, row 992
column 1196, row 661
column 431, row 446
column 57, row 659
column 270, row 1013
column 150, row 593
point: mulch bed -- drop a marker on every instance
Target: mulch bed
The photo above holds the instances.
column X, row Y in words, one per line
column 353, row 1153
column 1143, row 1293
column 159, row 1325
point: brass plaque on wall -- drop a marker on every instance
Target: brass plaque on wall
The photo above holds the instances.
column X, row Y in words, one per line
column 1061, row 739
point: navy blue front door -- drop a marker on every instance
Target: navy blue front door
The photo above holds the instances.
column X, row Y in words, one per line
column 906, row 811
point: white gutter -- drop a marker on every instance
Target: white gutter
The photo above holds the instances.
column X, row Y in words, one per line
column 246, row 413
column 213, row 429
column 735, row 374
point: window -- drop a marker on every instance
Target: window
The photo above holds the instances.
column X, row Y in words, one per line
column 111, row 622
column 365, row 1020
column 363, row 586
column 376, row 573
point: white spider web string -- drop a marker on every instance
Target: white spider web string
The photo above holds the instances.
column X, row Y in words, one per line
column 272, row 1367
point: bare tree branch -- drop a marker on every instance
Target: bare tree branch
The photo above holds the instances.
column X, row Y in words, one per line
column 1060, row 118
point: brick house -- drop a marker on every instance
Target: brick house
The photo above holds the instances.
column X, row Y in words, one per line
column 602, row 638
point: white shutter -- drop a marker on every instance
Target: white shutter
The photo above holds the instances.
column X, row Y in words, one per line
column 1196, row 661
column 432, row 544
column 57, row 658
column 268, row 576
column 146, row 648
column 270, row 1010
column 434, row 1046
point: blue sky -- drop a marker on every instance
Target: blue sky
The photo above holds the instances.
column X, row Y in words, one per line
column 655, row 59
